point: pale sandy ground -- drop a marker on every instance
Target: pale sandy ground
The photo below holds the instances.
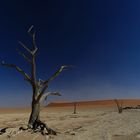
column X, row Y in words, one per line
column 88, row 124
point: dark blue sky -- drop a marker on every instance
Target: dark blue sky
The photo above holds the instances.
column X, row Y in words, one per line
column 101, row 38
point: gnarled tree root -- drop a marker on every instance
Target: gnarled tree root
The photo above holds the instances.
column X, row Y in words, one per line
column 3, row 130
column 40, row 126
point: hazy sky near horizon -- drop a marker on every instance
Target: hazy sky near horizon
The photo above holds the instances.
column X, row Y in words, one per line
column 101, row 38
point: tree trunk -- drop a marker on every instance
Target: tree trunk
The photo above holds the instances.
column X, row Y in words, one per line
column 74, row 112
column 35, row 113
column 34, row 120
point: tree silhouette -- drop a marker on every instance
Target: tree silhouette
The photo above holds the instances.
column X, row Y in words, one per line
column 119, row 105
column 38, row 86
column 75, row 108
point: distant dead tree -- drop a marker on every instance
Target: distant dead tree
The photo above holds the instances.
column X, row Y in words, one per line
column 75, row 107
column 119, row 105
column 38, row 86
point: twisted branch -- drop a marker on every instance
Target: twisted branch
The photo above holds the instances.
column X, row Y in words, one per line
column 45, row 95
column 24, row 56
column 45, row 84
column 26, row 76
column 25, row 47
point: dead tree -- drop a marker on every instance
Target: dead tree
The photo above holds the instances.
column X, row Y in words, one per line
column 119, row 106
column 38, row 86
column 75, row 107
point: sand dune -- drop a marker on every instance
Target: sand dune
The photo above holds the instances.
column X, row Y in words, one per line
column 126, row 102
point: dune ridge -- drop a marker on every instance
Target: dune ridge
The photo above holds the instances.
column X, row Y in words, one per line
column 109, row 102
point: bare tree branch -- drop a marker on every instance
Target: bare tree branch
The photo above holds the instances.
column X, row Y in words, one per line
column 33, row 39
column 30, row 29
column 26, row 76
column 40, row 82
column 56, row 74
column 24, row 56
column 45, row 84
column 44, row 97
column 33, row 35
column 33, row 74
column 34, row 51
column 34, row 43
column 25, row 47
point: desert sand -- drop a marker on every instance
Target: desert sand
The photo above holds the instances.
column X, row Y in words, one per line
column 93, row 121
